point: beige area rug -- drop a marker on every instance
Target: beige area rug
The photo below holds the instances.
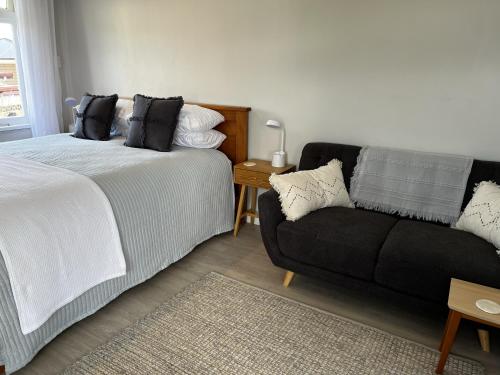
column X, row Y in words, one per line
column 221, row 326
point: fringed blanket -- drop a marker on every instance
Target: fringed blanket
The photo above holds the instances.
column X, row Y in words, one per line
column 409, row 183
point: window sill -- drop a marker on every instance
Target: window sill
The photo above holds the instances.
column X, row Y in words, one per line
column 14, row 127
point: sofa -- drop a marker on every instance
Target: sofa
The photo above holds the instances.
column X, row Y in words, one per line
column 411, row 257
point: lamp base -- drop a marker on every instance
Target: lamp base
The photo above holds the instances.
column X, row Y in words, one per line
column 279, row 159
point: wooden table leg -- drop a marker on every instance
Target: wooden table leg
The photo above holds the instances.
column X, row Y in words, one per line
column 448, row 338
column 445, row 329
column 484, row 339
column 240, row 210
column 288, row 278
column 254, row 205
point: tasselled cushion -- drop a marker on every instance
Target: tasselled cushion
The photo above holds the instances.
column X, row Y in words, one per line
column 94, row 117
column 153, row 122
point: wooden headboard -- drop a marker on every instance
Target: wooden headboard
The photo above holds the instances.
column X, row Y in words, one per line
column 235, row 127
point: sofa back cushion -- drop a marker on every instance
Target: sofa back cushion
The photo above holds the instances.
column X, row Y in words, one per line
column 481, row 171
column 315, row 155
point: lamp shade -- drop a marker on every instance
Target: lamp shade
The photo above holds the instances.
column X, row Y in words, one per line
column 273, row 124
column 70, row 101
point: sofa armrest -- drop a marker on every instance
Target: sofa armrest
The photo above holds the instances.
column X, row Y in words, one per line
column 270, row 216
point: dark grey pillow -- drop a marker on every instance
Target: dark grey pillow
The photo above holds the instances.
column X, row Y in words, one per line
column 95, row 116
column 153, row 122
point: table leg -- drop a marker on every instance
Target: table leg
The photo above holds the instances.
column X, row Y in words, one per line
column 240, row 209
column 445, row 329
column 254, row 205
column 484, row 339
column 448, row 338
column 288, row 278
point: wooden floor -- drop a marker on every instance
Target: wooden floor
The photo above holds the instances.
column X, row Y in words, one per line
column 244, row 258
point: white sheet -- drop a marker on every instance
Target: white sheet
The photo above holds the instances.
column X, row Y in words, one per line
column 58, row 237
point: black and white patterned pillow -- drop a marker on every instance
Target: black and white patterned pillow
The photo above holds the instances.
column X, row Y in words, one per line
column 305, row 191
column 482, row 215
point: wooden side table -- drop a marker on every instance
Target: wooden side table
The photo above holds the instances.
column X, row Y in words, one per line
column 255, row 177
column 462, row 303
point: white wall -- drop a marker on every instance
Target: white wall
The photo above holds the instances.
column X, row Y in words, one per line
column 14, row 135
column 414, row 74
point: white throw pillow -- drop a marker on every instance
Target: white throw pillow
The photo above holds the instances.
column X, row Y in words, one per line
column 482, row 215
column 194, row 118
column 305, row 191
column 209, row 139
column 124, row 109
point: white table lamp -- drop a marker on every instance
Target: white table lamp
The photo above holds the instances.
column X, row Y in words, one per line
column 279, row 157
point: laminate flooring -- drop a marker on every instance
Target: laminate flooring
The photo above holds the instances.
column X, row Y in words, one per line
column 244, row 258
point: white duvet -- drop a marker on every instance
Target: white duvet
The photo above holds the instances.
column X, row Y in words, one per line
column 58, row 237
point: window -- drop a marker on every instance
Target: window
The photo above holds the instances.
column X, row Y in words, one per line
column 12, row 100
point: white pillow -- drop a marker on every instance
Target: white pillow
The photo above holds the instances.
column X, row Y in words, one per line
column 482, row 215
column 209, row 139
column 120, row 125
column 193, row 118
column 305, row 191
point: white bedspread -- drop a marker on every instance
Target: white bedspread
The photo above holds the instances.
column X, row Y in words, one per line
column 58, row 237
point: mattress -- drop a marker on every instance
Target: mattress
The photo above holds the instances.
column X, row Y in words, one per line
column 164, row 204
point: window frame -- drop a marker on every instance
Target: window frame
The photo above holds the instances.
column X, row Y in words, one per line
column 15, row 122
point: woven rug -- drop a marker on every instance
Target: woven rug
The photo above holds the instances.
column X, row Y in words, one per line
column 221, row 326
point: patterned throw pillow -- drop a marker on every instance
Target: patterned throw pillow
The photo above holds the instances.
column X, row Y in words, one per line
column 482, row 215
column 305, row 191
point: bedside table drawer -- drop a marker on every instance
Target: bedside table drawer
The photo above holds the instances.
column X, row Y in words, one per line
column 252, row 178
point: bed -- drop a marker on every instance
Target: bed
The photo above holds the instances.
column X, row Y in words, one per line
column 165, row 204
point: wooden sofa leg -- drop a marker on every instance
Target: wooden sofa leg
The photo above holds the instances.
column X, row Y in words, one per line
column 2, row 369
column 484, row 339
column 288, row 278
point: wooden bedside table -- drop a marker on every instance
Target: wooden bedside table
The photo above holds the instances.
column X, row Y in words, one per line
column 254, row 177
column 462, row 304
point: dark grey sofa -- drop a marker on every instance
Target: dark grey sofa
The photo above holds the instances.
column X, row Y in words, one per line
column 412, row 257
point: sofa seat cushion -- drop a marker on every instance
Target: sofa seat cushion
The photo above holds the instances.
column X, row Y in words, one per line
column 338, row 239
column 421, row 258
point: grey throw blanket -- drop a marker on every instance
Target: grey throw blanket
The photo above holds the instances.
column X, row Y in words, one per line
column 415, row 184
